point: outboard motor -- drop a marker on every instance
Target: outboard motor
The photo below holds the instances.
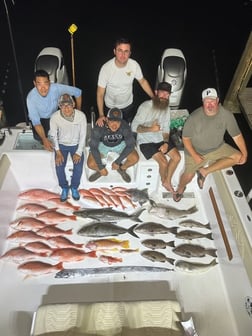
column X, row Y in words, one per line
column 172, row 69
column 51, row 60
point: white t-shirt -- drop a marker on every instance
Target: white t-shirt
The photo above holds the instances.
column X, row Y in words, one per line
column 119, row 82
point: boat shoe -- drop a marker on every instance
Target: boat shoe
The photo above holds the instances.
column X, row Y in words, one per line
column 64, row 194
column 75, row 194
column 125, row 176
column 94, row 176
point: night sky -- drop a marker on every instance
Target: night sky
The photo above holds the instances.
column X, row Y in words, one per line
column 212, row 37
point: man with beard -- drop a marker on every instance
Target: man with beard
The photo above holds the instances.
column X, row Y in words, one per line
column 152, row 125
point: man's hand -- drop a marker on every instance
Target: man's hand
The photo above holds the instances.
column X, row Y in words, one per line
column 76, row 158
column 48, row 145
column 59, row 159
column 101, row 121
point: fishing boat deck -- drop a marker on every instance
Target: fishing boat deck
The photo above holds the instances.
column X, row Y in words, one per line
column 219, row 299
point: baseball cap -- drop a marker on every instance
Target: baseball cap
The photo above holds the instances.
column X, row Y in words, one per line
column 209, row 93
column 115, row 114
column 164, row 86
column 66, row 99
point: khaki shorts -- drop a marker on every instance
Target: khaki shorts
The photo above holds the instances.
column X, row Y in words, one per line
column 223, row 151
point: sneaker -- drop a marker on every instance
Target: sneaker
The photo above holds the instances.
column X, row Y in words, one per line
column 125, row 176
column 75, row 194
column 94, row 176
column 64, row 194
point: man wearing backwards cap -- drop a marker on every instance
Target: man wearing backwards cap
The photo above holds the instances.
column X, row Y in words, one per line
column 205, row 148
column 152, row 125
column 114, row 136
column 68, row 132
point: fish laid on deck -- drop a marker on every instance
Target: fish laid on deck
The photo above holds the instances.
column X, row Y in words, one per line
column 156, row 256
column 169, row 212
column 153, row 228
column 20, row 254
column 156, row 244
column 70, row 254
column 105, row 229
column 37, row 194
column 194, row 267
column 32, row 208
column 101, row 244
column 140, row 196
column 108, row 214
column 35, row 268
column 27, row 223
column 54, row 217
column 80, row 272
column 191, row 234
column 191, row 250
column 190, row 223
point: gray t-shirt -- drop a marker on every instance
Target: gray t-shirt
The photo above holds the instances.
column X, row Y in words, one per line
column 207, row 132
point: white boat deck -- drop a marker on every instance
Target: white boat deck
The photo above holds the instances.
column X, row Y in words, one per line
column 219, row 300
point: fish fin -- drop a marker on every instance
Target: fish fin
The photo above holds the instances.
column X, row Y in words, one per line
column 212, row 252
column 60, row 266
column 73, row 217
column 137, row 213
column 152, row 203
column 92, row 254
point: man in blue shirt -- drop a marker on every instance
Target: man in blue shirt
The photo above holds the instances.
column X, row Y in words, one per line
column 42, row 101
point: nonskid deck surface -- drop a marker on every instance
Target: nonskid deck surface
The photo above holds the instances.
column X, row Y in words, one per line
column 203, row 293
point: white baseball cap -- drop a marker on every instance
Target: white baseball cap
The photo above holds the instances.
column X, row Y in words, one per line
column 209, row 93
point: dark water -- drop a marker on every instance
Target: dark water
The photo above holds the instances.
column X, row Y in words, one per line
column 212, row 37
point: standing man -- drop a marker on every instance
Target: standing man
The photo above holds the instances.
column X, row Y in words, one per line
column 115, row 82
column 68, row 128
column 205, row 148
column 114, row 136
column 42, row 101
column 152, row 125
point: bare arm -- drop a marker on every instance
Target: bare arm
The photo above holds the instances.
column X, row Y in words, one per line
column 46, row 142
column 146, row 87
column 100, row 105
column 78, row 102
column 189, row 147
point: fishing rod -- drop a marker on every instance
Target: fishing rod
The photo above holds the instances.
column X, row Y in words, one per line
column 16, row 62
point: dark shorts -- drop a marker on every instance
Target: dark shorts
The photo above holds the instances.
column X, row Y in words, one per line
column 149, row 149
column 45, row 122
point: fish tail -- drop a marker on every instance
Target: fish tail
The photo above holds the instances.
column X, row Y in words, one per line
column 125, row 244
column 153, row 203
column 92, row 254
column 73, row 217
column 193, row 209
column 212, row 252
column 208, row 226
column 170, row 243
column 170, row 260
column 59, row 265
column 132, row 232
column 69, row 231
column 209, row 236
column 136, row 215
column 174, row 230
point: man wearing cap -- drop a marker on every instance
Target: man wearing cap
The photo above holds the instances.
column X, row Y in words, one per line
column 152, row 125
column 68, row 132
column 205, row 148
column 114, row 136
column 42, row 102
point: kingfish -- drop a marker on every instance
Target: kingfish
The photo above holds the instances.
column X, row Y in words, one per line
column 169, row 212
column 108, row 214
column 105, row 229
